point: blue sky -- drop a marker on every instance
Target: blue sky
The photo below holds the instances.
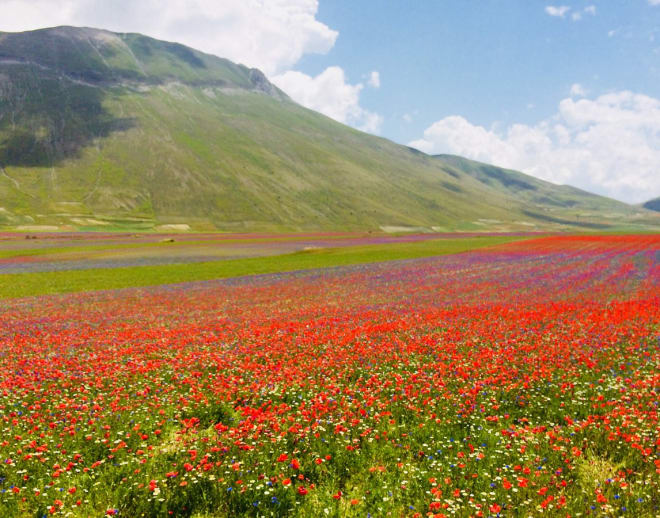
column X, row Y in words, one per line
column 490, row 61
column 566, row 91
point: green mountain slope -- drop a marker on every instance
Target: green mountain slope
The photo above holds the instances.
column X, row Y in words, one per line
column 104, row 130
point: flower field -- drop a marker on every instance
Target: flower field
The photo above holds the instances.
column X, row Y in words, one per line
column 516, row 380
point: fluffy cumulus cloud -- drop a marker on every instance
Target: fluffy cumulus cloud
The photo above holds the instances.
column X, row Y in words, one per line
column 271, row 35
column 609, row 145
column 331, row 94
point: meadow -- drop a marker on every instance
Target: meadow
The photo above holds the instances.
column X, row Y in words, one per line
column 82, row 262
column 518, row 378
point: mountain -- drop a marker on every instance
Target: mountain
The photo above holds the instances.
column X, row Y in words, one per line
column 101, row 130
column 653, row 204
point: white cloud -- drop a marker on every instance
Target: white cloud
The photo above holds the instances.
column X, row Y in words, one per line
column 609, row 145
column 590, row 9
column 269, row 34
column 654, row 2
column 374, row 79
column 330, row 94
column 558, row 11
column 577, row 90
column 561, row 11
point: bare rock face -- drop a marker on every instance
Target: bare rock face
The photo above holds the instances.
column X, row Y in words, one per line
column 262, row 84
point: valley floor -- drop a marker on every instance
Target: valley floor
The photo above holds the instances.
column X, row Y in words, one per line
column 515, row 379
column 55, row 263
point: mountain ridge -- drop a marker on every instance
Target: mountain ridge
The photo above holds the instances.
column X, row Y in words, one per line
column 106, row 130
column 122, row 56
column 653, row 204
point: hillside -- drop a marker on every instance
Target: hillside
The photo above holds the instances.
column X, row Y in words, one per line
column 100, row 130
column 653, row 204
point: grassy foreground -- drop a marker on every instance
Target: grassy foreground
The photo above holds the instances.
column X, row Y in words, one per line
column 42, row 283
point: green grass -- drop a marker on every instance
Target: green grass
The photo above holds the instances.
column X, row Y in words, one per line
column 90, row 249
column 42, row 283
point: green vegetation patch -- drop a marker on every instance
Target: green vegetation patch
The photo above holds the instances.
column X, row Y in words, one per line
column 42, row 283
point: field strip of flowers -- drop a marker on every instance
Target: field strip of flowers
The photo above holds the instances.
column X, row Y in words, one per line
column 90, row 274
column 518, row 380
column 45, row 253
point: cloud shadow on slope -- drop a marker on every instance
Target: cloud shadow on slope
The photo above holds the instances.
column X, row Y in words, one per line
column 45, row 118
